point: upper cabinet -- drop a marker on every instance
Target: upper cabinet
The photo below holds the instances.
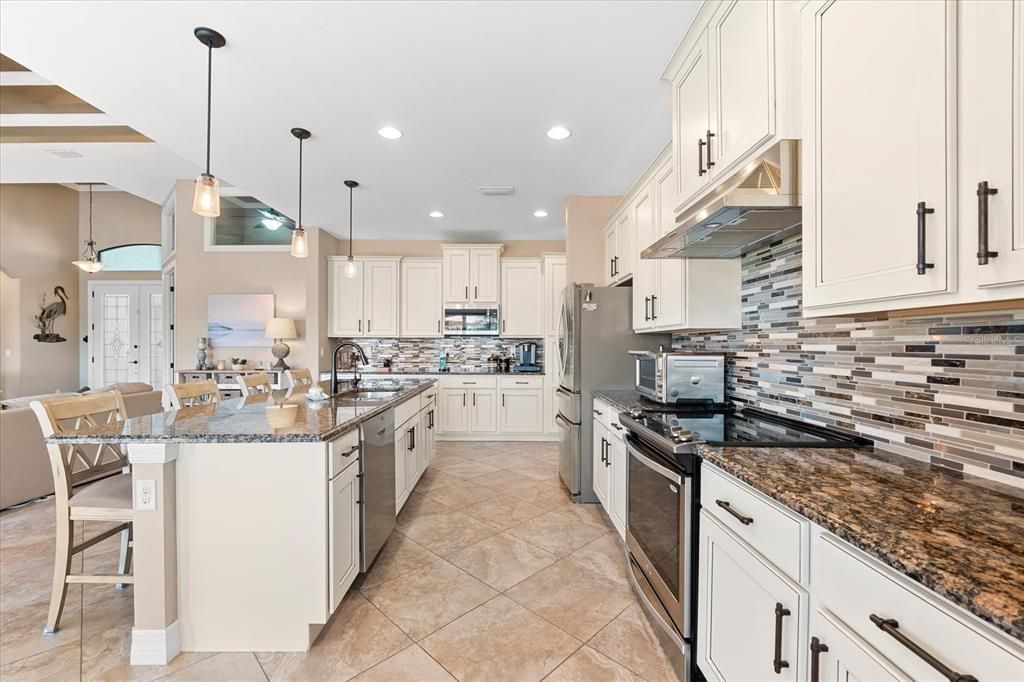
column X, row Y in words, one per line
column 554, row 284
column 471, row 273
column 725, row 89
column 898, row 202
column 618, row 248
column 364, row 305
column 522, row 288
column 421, row 297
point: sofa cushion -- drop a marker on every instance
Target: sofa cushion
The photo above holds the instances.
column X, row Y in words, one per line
column 24, row 401
column 125, row 389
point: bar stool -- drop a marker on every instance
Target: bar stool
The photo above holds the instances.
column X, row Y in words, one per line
column 254, row 383
column 194, row 393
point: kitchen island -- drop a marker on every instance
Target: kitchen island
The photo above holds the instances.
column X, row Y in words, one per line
column 247, row 514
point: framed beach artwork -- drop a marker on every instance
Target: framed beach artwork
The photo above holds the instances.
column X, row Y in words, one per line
column 238, row 320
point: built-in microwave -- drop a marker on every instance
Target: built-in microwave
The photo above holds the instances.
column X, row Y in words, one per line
column 471, row 321
column 667, row 377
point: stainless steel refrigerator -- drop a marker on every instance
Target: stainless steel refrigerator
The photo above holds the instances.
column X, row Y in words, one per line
column 595, row 336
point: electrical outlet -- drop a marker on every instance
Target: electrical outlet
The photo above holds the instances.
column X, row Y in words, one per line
column 145, row 495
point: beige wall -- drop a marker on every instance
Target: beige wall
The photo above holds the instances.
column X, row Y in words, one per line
column 10, row 337
column 585, row 218
column 432, row 247
column 323, row 244
column 118, row 218
column 38, row 241
column 199, row 273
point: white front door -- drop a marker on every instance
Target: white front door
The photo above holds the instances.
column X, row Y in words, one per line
column 126, row 338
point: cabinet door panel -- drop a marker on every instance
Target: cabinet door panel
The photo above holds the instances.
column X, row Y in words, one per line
column 554, row 284
column 671, row 272
column 742, row 37
column 483, row 275
column 346, row 300
column 421, row 298
column 739, row 594
column 453, row 411
column 617, row 484
column 483, row 411
column 344, row 533
column 380, row 298
column 691, row 121
column 522, row 411
column 645, row 271
column 600, row 440
column 401, row 475
column 846, row 657
column 456, row 276
column 626, row 238
column 611, row 246
column 521, row 289
column 872, row 159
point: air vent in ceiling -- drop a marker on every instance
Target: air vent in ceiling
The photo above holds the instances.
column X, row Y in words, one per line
column 65, row 154
column 497, row 191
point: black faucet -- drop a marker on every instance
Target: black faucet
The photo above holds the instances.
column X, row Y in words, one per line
column 334, row 364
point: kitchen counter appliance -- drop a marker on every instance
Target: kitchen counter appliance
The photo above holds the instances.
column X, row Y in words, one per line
column 376, row 486
column 595, row 335
column 667, row 377
column 470, row 321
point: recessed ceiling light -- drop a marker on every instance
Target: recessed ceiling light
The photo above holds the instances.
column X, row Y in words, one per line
column 540, row 214
column 389, row 133
column 559, row 133
column 436, row 214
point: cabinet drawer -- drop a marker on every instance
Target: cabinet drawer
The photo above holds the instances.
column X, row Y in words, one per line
column 606, row 414
column 855, row 587
column 777, row 533
column 343, row 452
column 470, row 382
column 406, row 410
column 428, row 398
column 522, row 382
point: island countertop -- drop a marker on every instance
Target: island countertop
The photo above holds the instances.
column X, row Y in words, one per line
column 278, row 417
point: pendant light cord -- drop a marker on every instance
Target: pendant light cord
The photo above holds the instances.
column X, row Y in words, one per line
column 298, row 224
column 90, row 214
column 350, row 223
column 209, row 100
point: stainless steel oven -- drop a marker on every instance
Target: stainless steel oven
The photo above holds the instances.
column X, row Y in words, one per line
column 677, row 377
column 471, row 321
column 660, row 534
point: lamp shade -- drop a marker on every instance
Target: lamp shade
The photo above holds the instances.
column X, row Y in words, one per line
column 281, row 328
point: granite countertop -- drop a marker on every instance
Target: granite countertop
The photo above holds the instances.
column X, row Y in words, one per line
column 256, row 419
column 961, row 536
column 433, row 372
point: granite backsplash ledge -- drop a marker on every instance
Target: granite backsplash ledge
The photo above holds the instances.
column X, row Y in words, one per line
column 464, row 352
column 944, row 388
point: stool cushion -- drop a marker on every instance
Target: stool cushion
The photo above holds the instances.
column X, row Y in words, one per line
column 107, row 493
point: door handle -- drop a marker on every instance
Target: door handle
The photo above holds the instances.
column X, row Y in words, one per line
column 503, row 400
column 349, row 453
column 647, row 302
column 984, row 192
column 463, row 399
column 474, row 398
column 360, row 326
column 439, row 326
column 412, row 439
column 700, row 157
column 476, row 291
column 603, row 444
column 777, row 663
column 135, row 362
column 616, row 259
column 816, row 650
column 369, row 326
column 710, row 162
column 923, row 266
column 653, row 299
column 467, row 292
column 891, row 626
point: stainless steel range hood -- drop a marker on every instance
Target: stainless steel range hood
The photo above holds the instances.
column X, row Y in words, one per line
column 758, row 204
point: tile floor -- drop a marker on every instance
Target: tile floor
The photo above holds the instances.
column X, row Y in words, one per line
column 491, row 575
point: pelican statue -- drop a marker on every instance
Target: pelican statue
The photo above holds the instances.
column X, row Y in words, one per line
column 48, row 315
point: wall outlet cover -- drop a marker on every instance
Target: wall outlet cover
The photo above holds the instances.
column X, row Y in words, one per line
column 145, row 495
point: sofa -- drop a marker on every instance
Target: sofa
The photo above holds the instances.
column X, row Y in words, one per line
column 25, row 472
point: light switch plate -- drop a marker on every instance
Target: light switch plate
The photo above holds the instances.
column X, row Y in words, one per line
column 145, row 495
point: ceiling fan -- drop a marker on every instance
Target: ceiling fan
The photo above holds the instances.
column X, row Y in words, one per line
column 272, row 220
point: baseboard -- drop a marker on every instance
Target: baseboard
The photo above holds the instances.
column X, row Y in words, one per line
column 521, row 437
column 155, row 647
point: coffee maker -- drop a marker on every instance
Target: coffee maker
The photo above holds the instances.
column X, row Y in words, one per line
column 526, row 357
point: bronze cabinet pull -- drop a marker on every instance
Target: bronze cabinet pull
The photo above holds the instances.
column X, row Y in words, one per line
column 984, row 192
column 745, row 520
column 923, row 266
column 890, row 626
column 777, row 663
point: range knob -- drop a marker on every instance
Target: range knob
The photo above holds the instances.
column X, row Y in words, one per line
column 681, row 435
column 636, row 412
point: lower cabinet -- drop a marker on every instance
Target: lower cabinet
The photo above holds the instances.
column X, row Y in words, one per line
column 343, row 513
column 750, row 617
column 617, row 467
column 483, row 411
column 837, row 654
column 522, row 410
column 610, row 464
column 483, row 408
column 454, row 417
column 602, row 476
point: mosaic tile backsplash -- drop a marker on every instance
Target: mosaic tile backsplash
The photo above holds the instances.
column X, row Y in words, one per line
column 464, row 352
column 948, row 389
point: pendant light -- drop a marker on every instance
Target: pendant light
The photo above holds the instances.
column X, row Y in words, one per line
column 207, row 198
column 300, row 246
column 90, row 261
column 350, row 265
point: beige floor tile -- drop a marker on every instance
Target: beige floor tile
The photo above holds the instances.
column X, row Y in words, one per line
column 461, row 494
column 513, row 461
column 503, row 511
column 424, row 600
column 58, row 663
column 607, row 557
column 470, row 470
column 358, row 638
column 589, row 513
column 237, row 667
column 501, row 480
column 500, row 641
column 587, row 665
column 572, row 597
column 432, row 479
column 537, row 468
column 400, row 555
column 632, row 641
column 449, row 532
column 410, row 665
column 541, row 493
column 105, row 657
column 446, row 458
column 557, row 533
column 502, row 561
column 21, row 629
column 418, row 505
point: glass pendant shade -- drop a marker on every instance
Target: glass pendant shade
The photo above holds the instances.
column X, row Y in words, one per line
column 300, row 246
column 350, row 268
column 207, row 199
column 89, row 262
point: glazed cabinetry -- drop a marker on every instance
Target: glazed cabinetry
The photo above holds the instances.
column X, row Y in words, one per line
column 610, row 463
column 471, row 273
column 365, row 305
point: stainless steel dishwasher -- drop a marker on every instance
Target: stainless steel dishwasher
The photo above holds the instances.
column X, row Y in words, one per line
column 376, row 485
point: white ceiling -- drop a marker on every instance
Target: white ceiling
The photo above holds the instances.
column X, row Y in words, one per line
column 474, row 86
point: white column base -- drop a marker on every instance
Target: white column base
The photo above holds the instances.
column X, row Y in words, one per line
column 155, row 647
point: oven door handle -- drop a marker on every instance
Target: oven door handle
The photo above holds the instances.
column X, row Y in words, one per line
column 654, row 466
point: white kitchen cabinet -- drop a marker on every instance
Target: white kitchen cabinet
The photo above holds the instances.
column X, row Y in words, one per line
column 839, row 655
column 427, row 434
column 365, row 305
column 407, row 460
column 645, row 274
column 619, row 247
column 471, row 273
column 422, row 302
column 991, row 125
column 483, row 410
column 617, row 463
column 743, row 602
column 343, row 532
column 611, row 248
column 522, row 287
column 452, row 404
column 602, row 477
column 878, row 172
column 522, row 410
column 691, row 120
column 554, row 284
column 610, row 464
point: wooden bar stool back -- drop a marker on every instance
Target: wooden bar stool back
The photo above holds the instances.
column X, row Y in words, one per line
column 298, row 377
column 108, row 499
column 254, row 383
column 194, row 393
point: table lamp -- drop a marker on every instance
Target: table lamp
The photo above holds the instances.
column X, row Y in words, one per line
column 279, row 329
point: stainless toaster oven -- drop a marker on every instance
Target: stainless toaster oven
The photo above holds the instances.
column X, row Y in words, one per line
column 668, row 377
